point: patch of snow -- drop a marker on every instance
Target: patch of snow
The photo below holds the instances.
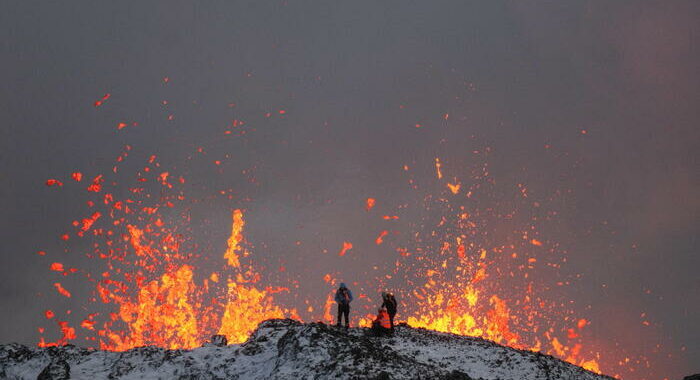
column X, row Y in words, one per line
column 287, row 349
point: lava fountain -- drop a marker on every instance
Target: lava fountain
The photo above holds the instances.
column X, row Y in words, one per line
column 468, row 269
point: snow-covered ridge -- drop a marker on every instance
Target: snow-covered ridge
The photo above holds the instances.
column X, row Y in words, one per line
column 287, row 349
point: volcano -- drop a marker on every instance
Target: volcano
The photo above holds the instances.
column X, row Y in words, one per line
column 285, row 349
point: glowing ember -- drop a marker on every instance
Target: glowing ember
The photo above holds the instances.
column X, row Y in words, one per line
column 102, row 100
column 380, row 238
column 57, row 267
column 437, row 168
column 61, row 290
column 53, row 182
column 346, row 247
column 87, row 324
column 370, row 203
column 96, row 184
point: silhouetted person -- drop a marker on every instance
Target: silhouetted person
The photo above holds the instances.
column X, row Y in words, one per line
column 381, row 325
column 389, row 302
column 343, row 296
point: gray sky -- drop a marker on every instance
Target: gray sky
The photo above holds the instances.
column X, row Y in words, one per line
column 514, row 76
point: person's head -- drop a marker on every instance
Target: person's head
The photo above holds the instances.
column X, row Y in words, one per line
column 342, row 285
column 384, row 295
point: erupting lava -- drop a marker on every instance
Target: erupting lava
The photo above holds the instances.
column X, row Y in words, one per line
column 172, row 314
column 172, row 311
column 470, row 282
column 466, row 269
column 151, row 283
column 478, row 286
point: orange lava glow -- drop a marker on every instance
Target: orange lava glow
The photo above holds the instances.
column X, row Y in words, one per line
column 346, row 247
column 454, row 188
column 57, row 267
column 61, row 290
column 454, row 272
column 438, row 165
column 162, row 314
column 463, row 289
column 234, row 241
column 170, row 312
column 380, row 239
column 246, row 307
column 53, row 182
column 102, row 100
column 369, row 203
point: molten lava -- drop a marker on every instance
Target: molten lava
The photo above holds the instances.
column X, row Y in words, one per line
column 170, row 312
column 454, row 275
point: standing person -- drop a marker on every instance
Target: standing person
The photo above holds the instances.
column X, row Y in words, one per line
column 343, row 296
column 389, row 302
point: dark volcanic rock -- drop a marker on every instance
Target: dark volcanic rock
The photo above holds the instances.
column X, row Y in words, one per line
column 56, row 370
column 219, row 340
column 287, row 349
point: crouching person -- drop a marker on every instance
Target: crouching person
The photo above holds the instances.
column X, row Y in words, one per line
column 381, row 325
column 389, row 302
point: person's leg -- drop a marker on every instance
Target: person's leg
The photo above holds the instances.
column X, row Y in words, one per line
column 391, row 320
column 347, row 315
column 340, row 314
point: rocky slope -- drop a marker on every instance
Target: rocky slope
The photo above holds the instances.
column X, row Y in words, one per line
column 287, row 349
